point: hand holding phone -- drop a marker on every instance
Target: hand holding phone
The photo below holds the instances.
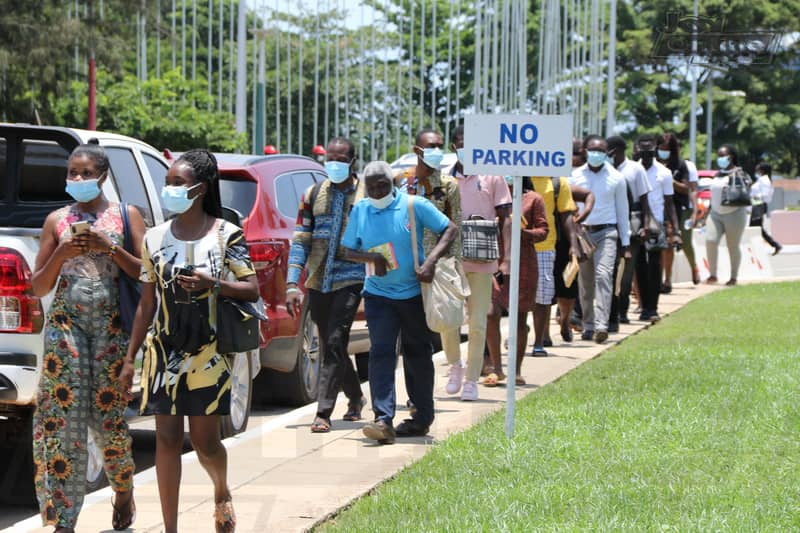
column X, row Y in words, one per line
column 80, row 227
column 182, row 296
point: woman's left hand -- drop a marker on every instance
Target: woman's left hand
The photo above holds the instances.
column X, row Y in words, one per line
column 197, row 282
column 93, row 241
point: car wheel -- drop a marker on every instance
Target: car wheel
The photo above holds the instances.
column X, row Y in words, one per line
column 95, row 475
column 241, row 396
column 298, row 387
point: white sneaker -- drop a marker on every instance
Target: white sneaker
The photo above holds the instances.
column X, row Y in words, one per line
column 470, row 392
column 456, row 376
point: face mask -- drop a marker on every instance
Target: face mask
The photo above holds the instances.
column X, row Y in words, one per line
column 460, row 154
column 663, row 155
column 596, row 158
column 432, row 157
column 337, row 171
column 382, row 203
column 723, row 161
column 83, row 190
column 175, row 198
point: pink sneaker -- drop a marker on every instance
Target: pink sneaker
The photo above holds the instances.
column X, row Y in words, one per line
column 456, row 377
column 470, row 392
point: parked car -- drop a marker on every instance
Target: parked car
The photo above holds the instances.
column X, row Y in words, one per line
column 262, row 195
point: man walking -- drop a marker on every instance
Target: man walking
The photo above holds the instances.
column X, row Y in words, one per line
column 639, row 215
column 378, row 233
column 333, row 284
column 607, row 222
column 486, row 198
column 648, row 265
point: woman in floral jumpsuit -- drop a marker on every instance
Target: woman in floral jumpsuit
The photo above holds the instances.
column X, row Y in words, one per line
column 84, row 345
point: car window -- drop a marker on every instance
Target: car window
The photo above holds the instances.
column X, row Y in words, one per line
column 289, row 188
column 158, row 171
column 3, row 159
column 128, row 180
column 44, row 172
column 239, row 195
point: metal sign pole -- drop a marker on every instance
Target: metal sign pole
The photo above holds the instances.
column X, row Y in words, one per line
column 513, row 307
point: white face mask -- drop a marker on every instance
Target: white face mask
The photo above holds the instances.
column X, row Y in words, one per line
column 382, row 203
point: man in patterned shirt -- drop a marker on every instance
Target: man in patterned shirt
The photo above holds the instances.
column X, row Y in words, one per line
column 333, row 284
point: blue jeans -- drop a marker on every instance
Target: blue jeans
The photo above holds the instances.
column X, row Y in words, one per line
column 386, row 318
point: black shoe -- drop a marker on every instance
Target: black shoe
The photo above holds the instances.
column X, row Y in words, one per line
column 547, row 343
column 666, row 289
column 778, row 248
column 601, row 336
column 411, row 428
column 613, row 327
column 645, row 316
column 379, row 431
column 587, row 335
column 654, row 317
column 624, row 320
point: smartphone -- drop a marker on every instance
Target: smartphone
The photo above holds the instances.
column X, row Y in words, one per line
column 80, row 227
column 182, row 296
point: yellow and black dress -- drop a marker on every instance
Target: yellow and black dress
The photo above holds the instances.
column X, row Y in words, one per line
column 175, row 382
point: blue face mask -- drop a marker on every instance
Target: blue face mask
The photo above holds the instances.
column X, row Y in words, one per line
column 723, row 161
column 460, row 154
column 663, row 155
column 337, row 171
column 83, row 190
column 596, row 158
column 176, row 198
column 432, row 157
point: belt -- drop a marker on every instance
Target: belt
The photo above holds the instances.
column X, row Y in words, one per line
column 598, row 227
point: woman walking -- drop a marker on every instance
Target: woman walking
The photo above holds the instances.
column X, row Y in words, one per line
column 82, row 250
column 761, row 192
column 186, row 264
column 728, row 220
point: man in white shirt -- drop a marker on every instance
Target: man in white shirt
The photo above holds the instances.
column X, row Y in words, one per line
column 607, row 222
column 648, row 266
column 638, row 186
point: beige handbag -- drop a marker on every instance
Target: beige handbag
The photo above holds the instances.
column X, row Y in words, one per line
column 444, row 297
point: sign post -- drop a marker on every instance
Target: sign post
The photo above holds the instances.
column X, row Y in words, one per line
column 517, row 145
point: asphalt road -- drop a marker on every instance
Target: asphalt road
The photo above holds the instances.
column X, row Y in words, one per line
column 144, row 443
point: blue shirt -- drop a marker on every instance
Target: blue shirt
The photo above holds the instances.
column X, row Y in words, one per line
column 369, row 227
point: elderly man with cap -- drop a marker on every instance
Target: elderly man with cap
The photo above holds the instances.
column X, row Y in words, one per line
column 378, row 234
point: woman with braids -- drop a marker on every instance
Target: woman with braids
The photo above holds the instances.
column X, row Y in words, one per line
column 187, row 262
column 82, row 255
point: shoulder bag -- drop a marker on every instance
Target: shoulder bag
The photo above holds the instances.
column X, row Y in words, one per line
column 736, row 193
column 129, row 290
column 238, row 322
column 443, row 298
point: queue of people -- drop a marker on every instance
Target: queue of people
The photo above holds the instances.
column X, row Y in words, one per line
column 374, row 236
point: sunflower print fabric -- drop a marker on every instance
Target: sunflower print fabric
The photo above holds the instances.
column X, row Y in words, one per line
column 173, row 382
column 83, row 349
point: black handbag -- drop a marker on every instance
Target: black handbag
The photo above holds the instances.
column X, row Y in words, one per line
column 736, row 193
column 238, row 322
column 129, row 290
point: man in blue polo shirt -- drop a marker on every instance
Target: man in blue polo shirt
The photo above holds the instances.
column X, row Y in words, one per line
column 379, row 227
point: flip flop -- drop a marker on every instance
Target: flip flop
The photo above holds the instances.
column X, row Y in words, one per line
column 320, row 425
column 353, row 413
column 120, row 521
column 539, row 352
column 491, row 380
column 520, row 381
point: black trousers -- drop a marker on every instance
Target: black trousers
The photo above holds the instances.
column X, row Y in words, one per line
column 333, row 313
column 648, row 275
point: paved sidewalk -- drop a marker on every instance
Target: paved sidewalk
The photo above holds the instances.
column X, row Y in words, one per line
column 284, row 478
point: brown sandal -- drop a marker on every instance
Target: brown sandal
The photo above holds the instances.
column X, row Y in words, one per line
column 353, row 413
column 224, row 517
column 120, row 519
column 320, row 425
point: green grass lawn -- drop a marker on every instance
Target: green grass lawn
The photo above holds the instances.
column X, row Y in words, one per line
column 693, row 425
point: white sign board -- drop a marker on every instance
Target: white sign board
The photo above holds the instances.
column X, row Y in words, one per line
column 518, row 145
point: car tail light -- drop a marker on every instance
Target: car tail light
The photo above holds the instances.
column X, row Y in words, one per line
column 264, row 254
column 20, row 310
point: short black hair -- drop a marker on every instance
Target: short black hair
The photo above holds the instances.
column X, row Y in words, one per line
column 351, row 148
column 204, row 168
column 95, row 152
column 646, row 138
column 615, row 142
column 765, row 168
column 592, row 137
column 425, row 131
column 458, row 132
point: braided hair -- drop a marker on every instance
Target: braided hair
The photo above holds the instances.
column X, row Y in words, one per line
column 203, row 166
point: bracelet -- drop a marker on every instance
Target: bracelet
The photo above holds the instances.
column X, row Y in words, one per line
column 112, row 250
column 292, row 289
